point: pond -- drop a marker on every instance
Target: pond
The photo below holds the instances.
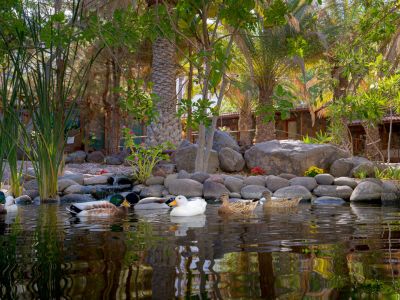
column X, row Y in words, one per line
column 307, row 253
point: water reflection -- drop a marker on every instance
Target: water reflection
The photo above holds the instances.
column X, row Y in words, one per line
column 309, row 252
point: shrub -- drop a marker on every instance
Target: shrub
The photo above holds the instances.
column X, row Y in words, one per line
column 388, row 173
column 313, row 171
column 257, row 171
column 361, row 174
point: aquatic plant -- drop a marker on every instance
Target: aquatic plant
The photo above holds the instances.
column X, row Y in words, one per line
column 143, row 158
column 313, row 171
column 388, row 173
column 360, row 174
column 257, row 171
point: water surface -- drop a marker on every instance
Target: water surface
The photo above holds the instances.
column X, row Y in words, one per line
column 306, row 253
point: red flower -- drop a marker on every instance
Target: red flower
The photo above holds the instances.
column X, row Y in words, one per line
column 257, row 171
column 102, row 171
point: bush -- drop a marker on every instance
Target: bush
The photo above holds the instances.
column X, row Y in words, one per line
column 313, row 171
column 361, row 174
column 388, row 173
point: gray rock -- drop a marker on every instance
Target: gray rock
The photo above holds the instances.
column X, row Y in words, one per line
column 182, row 174
column 200, row 176
column 184, row 144
column 138, row 188
column 114, row 160
column 293, row 191
column 217, row 178
column 351, row 182
column 185, row 158
column 337, row 191
column 287, row 176
column 275, row 183
column 22, row 200
column 76, row 198
column 64, row 183
column 233, row 184
column 152, row 191
column 235, row 195
column 77, row 157
column 214, row 190
column 164, row 169
column 254, row 180
column 368, row 168
column 31, row 185
column 326, row 200
column 79, row 189
column 32, row 193
column 374, row 180
column 308, row 182
column 153, row 180
column 325, row 179
column 342, row 167
column 290, row 156
column 253, row 191
column 77, row 177
column 29, row 174
column 224, row 140
column 95, row 157
column 169, row 178
column 367, row 191
column 185, row 187
column 390, row 192
column 98, row 179
column 231, row 160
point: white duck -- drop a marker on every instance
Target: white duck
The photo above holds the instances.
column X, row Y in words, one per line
column 7, row 204
column 187, row 208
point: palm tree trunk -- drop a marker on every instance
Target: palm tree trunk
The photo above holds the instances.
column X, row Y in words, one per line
column 265, row 131
column 167, row 125
column 373, row 143
column 245, row 125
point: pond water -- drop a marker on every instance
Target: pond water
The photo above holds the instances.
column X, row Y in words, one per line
column 306, row 253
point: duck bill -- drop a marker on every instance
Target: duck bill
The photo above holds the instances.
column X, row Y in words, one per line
column 173, row 203
column 126, row 204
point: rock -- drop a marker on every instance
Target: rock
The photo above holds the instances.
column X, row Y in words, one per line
column 374, row 180
column 214, row 190
column 351, row 182
column 77, row 177
column 138, row 188
column 253, row 191
column 164, row 169
column 184, row 144
column 64, row 183
column 98, row 179
column 185, row 158
column 22, row 200
column 367, row 191
column 343, row 166
column 216, row 178
column 200, row 176
column 235, row 195
column 308, row 182
column 78, row 189
column 233, row 184
column 152, row 191
column 29, row 174
column 390, row 192
column 290, row 156
column 165, row 192
column 169, row 178
column 183, row 175
column 230, row 160
column 185, row 187
column 153, row 180
column 76, row 198
column 31, row 185
column 113, row 160
column 102, row 191
column 293, row 191
column 275, row 183
column 338, row 191
column 368, row 168
column 324, row 179
column 95, row 157
column 77, row 157
column 254, row 180
column 32, row 193
column 287, row 176
column 326, row 200
column 224, row 140
column 119, row 179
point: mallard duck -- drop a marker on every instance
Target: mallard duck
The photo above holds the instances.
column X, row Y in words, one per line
column 238, row 207
column 269, row 201
column 7, row 204
column 186, row 208
column 117, row 205
column 151, row 203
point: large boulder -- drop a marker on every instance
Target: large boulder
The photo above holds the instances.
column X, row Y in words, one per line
column 293, row 191
column 98, row 179
column 290, row 156
column 64, row 183
column 390, row 192
column 224, row 139
column 77, row 157
column 95, row 157
column 152, row 191
column 114, row 160
column 253, row 191
column 169, row 179
column 233, row 184
column 367, row 191
column 185, row 158
column 77, row 177
column 325, row 179
column 213, row 190
column 230, row 160
column 275, row 183
column 338, row 191
column 153, row 180
column 255, row 180
column 344, row 166
column 200, row 176
column 351, row 182
column 308, row 182
column 185, row 187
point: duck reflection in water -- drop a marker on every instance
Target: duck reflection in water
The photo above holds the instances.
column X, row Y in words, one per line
column 183, row 224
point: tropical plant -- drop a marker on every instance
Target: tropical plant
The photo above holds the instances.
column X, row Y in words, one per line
column 313, row 171
column 360, row 174
column 387, row 173
column 320, row 138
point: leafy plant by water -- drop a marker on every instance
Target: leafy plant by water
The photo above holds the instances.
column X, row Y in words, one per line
column 388, row 173
column 361, row 174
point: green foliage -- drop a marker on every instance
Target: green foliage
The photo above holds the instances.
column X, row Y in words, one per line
column 361, row 174
column 143, row 158
column 321, row 138
column 387, row 173
column 313, row 171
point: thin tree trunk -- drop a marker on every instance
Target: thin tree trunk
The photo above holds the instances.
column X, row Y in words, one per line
column 167, row 126
column 189, row 130
column 265, row 131
column 245, row 125
column 107, row 108
column 115, row 110
column 373, row 143
column 390, row 135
